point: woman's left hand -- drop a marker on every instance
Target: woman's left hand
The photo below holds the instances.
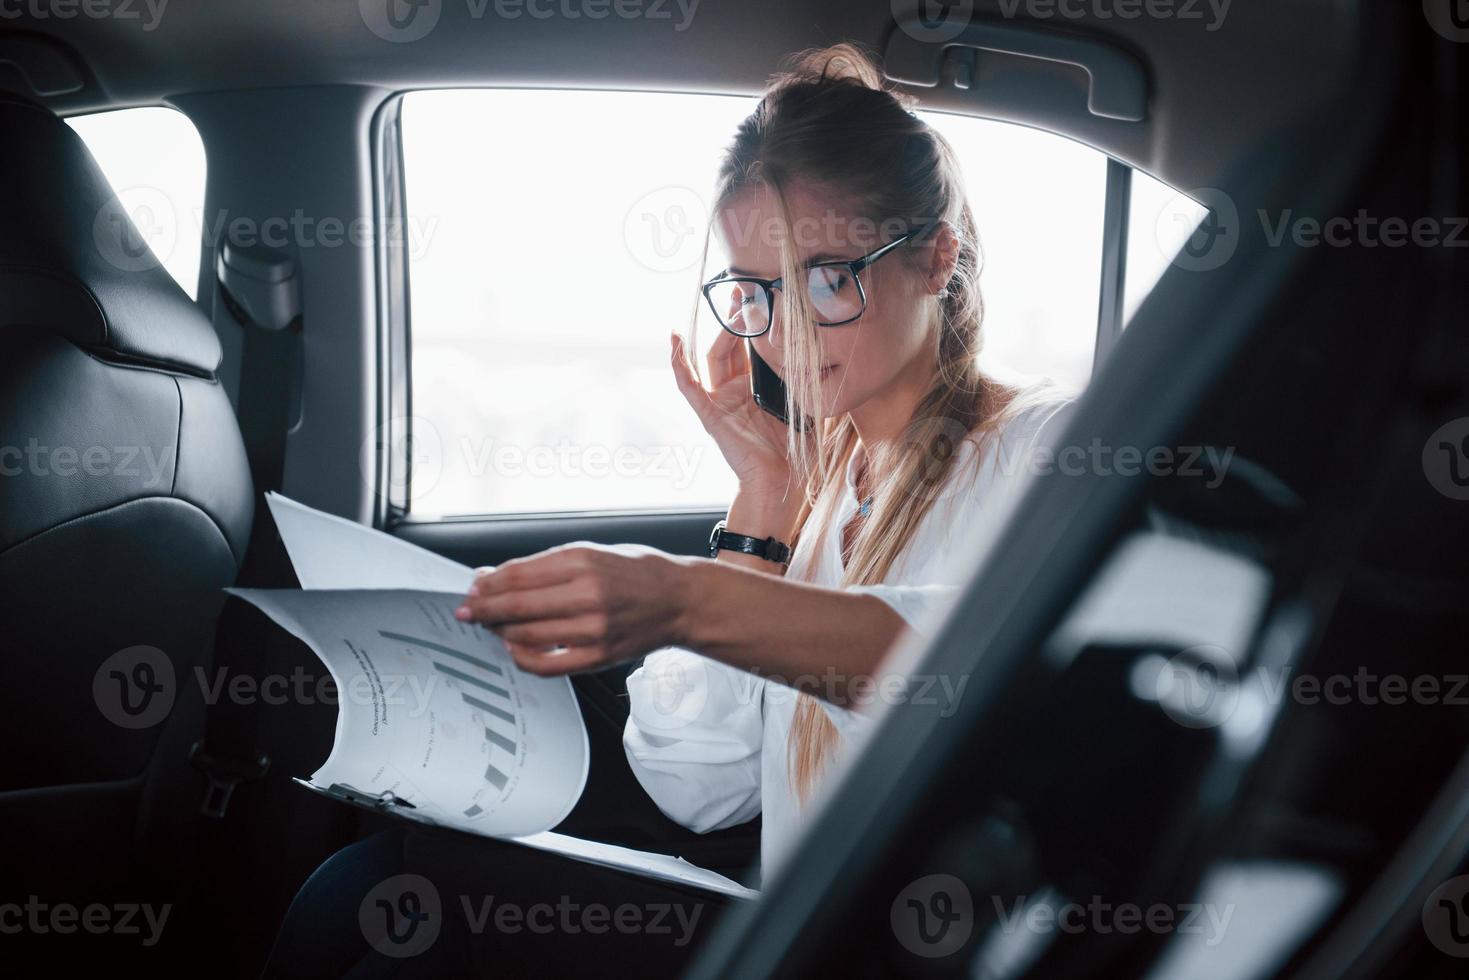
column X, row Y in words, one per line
column 604, row 603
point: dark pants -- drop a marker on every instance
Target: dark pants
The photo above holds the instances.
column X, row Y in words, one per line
column 424, row 902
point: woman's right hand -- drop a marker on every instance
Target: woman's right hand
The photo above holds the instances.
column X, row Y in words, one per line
column 752, row 441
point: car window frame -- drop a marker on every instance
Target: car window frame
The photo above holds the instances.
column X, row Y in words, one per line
column 391, row 468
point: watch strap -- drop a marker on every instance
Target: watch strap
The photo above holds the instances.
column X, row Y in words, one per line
column 768, row 548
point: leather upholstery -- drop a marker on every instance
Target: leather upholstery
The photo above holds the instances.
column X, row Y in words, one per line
column 71, row 260
column 125, row 507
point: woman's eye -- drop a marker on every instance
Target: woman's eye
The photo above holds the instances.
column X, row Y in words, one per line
column 828, row 283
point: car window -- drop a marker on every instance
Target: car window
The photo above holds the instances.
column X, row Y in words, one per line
column 1038, row 200
column 554, row 239
column 1160, row 221
column 154, row 160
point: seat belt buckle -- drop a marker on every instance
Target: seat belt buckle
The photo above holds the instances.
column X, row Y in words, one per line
column 223, row 775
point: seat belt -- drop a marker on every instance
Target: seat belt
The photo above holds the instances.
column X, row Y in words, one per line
column 260, row 289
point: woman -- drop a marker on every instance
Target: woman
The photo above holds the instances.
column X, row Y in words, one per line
column 853, row 273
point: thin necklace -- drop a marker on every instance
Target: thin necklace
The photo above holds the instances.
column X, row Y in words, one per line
column 865, row 507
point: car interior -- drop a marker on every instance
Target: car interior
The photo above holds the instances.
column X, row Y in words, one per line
column 325, row 249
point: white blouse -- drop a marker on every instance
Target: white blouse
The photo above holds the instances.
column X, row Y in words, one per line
column 709, row 742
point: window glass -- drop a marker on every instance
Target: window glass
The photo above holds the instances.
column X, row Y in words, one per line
column 1159, row 222
column 154, row 160
column 524, row 206
column 1039, row 202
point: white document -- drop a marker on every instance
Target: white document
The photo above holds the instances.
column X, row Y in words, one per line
column 433, row 714
column 331, row 552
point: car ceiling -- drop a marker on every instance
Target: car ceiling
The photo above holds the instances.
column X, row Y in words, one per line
column 1214, row 92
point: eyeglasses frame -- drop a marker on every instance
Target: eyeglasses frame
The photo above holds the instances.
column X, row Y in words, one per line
column 855, row 266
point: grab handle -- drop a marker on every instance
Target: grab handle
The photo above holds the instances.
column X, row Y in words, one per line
column 1118, row 84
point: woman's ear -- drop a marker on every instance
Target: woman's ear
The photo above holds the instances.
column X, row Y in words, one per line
column 943, row 257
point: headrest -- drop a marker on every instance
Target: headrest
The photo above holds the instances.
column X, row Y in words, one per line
column 72, row 261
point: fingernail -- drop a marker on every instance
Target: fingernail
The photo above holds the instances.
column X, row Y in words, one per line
column 462, row 612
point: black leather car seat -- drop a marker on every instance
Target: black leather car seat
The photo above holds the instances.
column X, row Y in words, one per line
column 125, row 507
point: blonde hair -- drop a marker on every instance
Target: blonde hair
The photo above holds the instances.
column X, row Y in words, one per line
column 829, row 121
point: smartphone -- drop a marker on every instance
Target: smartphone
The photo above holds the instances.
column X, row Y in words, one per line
column 768, row 390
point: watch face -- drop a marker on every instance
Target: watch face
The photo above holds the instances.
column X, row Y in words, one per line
column 714, row 539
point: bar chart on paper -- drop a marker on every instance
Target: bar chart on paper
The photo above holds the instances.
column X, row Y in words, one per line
column 485, row 688
column 435, row 724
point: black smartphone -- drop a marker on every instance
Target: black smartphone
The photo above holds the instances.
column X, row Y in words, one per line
column 768, row 390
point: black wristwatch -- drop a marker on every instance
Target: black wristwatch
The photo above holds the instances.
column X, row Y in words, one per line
column 767, row 548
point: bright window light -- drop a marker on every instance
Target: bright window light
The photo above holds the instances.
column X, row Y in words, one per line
column 525, row 205
column 154, row 160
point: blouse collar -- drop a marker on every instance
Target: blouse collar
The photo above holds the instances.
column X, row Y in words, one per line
column 849, row 502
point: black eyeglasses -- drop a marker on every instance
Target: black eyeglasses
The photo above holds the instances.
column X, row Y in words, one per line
column 743, row 305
